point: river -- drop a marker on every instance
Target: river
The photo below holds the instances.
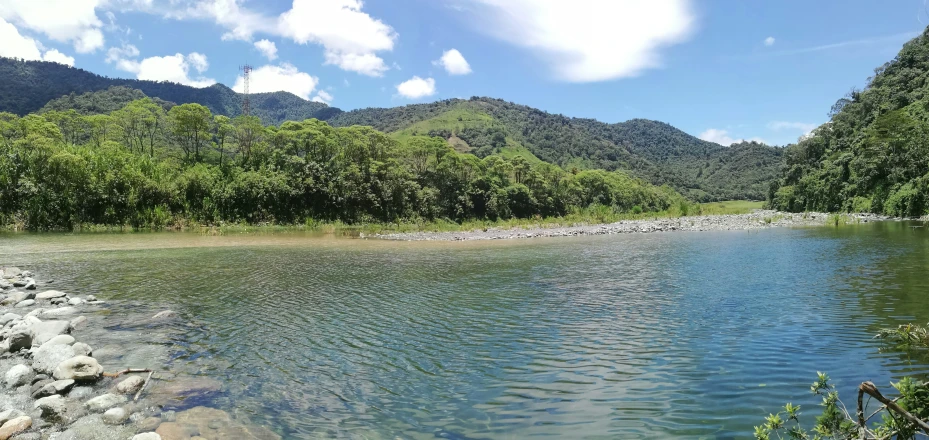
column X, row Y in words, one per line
column 662, row 335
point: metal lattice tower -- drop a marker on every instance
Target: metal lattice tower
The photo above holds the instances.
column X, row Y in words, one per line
column 246, row 70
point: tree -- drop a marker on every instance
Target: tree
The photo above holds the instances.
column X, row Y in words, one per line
column 190, row 125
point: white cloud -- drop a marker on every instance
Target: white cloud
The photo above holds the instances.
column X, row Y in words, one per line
column 769, row 41
column 722, row 137
column 323, row 97
column 58, row 57
column 115, row 54
column 272, row 78
column 589, row 40
column 174, row 68
column 453, row 62
column 267, row 48
column 72, row 21
column 366, row 64
column 793, row 126
column 416, row 88
column 16, row 45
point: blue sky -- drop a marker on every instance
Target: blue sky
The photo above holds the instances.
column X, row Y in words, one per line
column 723, row 69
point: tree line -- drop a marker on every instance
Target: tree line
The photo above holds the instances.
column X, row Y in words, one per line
column 145, row 167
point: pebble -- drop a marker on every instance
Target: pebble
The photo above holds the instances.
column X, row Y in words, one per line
column 15, row 426
column 104, row 402
column 147, row 436
column 18, row 375
column 130, row 385
column 115, row 416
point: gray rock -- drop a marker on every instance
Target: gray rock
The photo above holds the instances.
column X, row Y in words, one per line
column 8, row 317
column 130, row 385
column 20, row 282
column 46, row 330
column 115, row 416
column 148, row 423
column 27, row 274
column 18, row 375
column 164, row 315
column 81, row 393
column 82, row 349
column 104, row 402
column 79, row 368
column 49, row 294
column 58, row 301
column 92, row 427
column 37, row 386
column 147, row 436
column 60, row 340
column 169, row 416
column 25, row 303
column 11, row 272
column 56, row 387
column 52, row 406
column 75, row 301
column 78, row 322
column 47, row 357
column 5, row 285
column 90, row 298
column 39, row 377
column 20, row 339
column 55, row 313
column 10, row 414
column 32, row 436
column 30, row 284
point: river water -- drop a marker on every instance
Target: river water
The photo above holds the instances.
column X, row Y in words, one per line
column 664, row 335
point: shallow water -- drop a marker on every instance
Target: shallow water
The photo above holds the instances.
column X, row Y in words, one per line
column 665, row 335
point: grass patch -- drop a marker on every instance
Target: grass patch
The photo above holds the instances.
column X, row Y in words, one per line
column 730, row 207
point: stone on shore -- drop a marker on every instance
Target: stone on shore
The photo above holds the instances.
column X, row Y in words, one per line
column 48, row 357
column 49, row 294
column 15, row 426
column 8, row 317
column 25, row 303
column 78, row 322
column 11, row 272
column 115, row 416
column 92, row 427
column 82, row 349
column 52, row 407
column 130, row 385
column 79, row 368
column 20, row 339
column 55, row 313
column 147, row 436
column 56, row 387
column 46, row 330
column 5, row 285
column 18, row 375
column 75, row 301
column 60, row 340
column 104, row 402
column 10, row 414
column 30, row 284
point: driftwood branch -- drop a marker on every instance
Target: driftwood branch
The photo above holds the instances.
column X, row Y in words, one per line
column 127, row 371
column 870, row 389
column 144, row 384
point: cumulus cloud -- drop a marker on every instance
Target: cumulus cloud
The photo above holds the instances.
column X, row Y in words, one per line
column 323, row 97
column 802, row 127
column 769, row 41
column 174, row 68
column 284, row 77
column 127, row 51
column 416, row 87
column 267, row 48
column 67, row 21
column 589, row 40
column 723, row 138
column 16, row 45
column 453, row 62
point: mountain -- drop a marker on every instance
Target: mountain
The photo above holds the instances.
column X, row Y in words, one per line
column 101, row 101
column 873, row 155
column 30, row 85
column 652, row 150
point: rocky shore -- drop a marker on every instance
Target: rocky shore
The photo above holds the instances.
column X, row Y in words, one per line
column 761, row 219
column 54, row 386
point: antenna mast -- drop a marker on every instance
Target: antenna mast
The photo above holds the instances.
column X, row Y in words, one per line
column 246, row 70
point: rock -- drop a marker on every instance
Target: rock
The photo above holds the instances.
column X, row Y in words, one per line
column 30, row 284
column 165, row 315
column 58, row 301
column 52, row 407
column 5, row 285
column 79, row 368
column 115, row 416
column 55, row 313
column 82, row 349
column 8, row 317
column 20, row 339
column 15, row 426
column 49, row 294
column 18, row 375
column 130, row 385
column 27, row 274
column 81, row 393
column 48, row 357
column 39, row 377
column 169, row 416
column 56, row 387
column 188, row 387
column 25, row 303
column 38, row 386
column 17, row 297
column 104, row 402
column 172, row 431
column 11, row 272
column 46, row 330
column 90, row 298
column 147, row 436
column 75, row 301
column 60, row 340
column 149, row 424
column 92, row 427
column 78, row 322
column 28, row 436
column 20, row 282
column 10, row 414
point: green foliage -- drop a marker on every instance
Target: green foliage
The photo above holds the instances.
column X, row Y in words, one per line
column 143, row 167
column 906, row 335
column 873, row 155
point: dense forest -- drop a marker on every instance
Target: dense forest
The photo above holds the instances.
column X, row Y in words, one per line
column 143, row 166
column 873, row 156
column 28, row 86
column 651, row 150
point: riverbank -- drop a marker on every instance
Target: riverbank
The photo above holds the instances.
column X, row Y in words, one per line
column 760, row 219
column 77, row 368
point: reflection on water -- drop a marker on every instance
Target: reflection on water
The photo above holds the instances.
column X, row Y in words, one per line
column 631, row 336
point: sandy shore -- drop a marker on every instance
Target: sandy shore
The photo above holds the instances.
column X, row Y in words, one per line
column 761, row 219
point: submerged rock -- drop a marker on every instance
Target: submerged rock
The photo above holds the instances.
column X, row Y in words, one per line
column 165, row 315
column 78, row 322
column 92, row 427
column 18, row 375
column 147, row 436
column 82, row 349
column 130, row 385
column 104, row 402
column 115, row 416
column 79, row 368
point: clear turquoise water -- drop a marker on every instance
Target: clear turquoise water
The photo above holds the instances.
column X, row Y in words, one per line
column 667, row 335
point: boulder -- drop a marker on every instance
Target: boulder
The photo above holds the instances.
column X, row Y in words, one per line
column 30, row 284
column 130, row 385
column 20, row 282
column 25, row 303
column 82, row 349
column 55, row 313
column 38, row 385
column 49, row 294
column 46, row 330
column 165, row 315
column 58, row 301
column 52, row 407
column 104, row 402
column 56, row 387
column 10, row 414
column 11, row 272
column 75, row 301
column 149, row 423
column 20, row 339
column 147, row 436
column 8, row 317
column 15, row 426
column 78, row 322
column 18, row 375
column 60, row 340
column 27, row 274
column 115, row 416
column 90, row 298
column 172, row 431
column 79, row 368
column 48, row 357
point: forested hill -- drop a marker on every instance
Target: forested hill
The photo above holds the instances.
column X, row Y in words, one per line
column 653, row 150
column 28, row 86
column 874, row 153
